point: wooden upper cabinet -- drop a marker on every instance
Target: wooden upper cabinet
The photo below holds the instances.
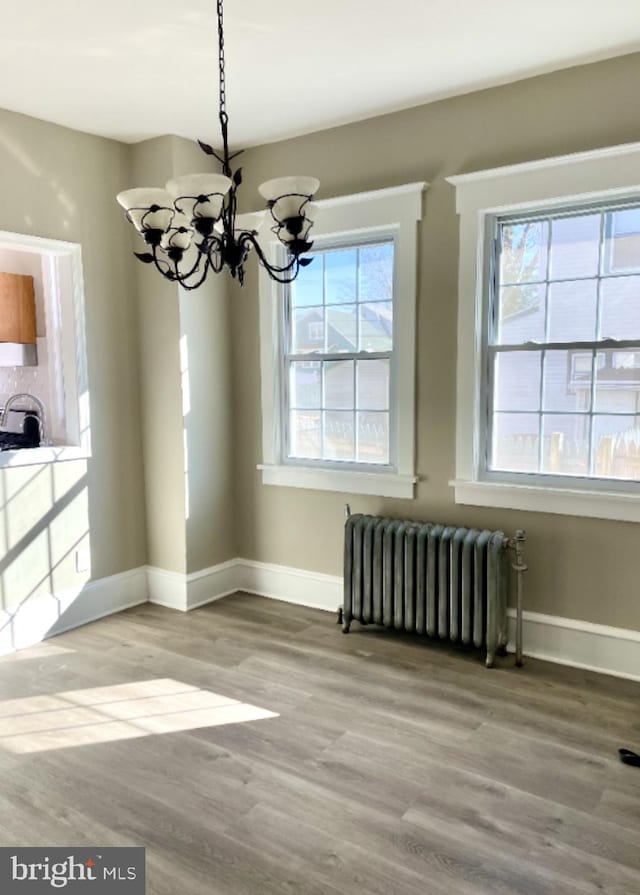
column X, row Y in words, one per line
column 17, row 309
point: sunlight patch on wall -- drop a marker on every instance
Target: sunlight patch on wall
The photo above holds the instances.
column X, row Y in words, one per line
column 186, row 409
column 119, row 712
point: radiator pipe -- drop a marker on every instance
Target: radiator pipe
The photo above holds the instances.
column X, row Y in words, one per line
column 340, row 614
column 520, row 567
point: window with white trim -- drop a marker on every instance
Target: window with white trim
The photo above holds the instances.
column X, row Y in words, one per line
column 337, row 351
column 562, row 395
column 548, row 381
column 338, row 334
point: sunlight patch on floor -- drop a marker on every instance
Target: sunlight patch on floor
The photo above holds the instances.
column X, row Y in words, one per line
column 39, row 651
column 120, row 712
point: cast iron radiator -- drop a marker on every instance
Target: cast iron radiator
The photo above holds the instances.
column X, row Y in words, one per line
column 430, row 579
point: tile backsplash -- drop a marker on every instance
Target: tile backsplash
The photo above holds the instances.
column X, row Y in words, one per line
column 34, row 380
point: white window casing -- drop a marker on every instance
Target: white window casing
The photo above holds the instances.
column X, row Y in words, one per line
column 381, row 214
column 597, row 176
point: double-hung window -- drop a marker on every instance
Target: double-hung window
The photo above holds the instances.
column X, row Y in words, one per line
column 338, row 351
column 563, row 390
column 548, row 410
column 337, row 362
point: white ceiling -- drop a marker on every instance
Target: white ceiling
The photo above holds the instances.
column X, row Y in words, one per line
column 132, row 69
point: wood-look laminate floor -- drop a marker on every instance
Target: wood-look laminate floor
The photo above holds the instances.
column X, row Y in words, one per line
column 255, row 750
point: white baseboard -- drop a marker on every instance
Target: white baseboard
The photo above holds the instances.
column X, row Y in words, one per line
column 213, row 583
column 568, row 641
column 179, row 591
column 600, row 648
column 44, row 615
column 314, row 589
column 166, row 588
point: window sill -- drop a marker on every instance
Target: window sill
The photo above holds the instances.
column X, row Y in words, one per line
column 564, row 501
column 378, row 484
column 38, row 456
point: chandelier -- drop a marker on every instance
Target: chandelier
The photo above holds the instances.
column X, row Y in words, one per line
column 190, row 226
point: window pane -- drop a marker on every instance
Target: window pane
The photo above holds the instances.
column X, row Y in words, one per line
column 618, row 382
column 304, row 384
column 515, row 442
column 305, row 435
column 585, row 427
column 306, row 289
column 616, row 445
column 375, row 273
column 339, row 441
column 307, row 330
column 376, row 326
column 620, row 316
column 575, row 247
column 342, row 304
column 524, row 252
column 373, row 384
column 521, row 314
column 517, row 381
column 572, row 311
column 565, row 444
column 340, row 276
column 622, row 245
column 373, row 437
column 338, row 384
column 341, row 328
column 567, row 380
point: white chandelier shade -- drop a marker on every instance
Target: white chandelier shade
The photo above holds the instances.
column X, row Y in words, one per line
column 283, row 186
column 147, row 208
column 200, row 195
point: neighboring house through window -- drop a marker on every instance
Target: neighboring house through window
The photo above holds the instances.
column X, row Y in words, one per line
column 549, row 336
column 556, row 403
column 338, row 351
column 340, row 312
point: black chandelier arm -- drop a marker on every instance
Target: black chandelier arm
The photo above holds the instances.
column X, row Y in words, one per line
column 173, row 273
column 182, row 279
column 203, row 251
column 213, row 249
column 274, row 271
column 249, row 236
column 161, row 264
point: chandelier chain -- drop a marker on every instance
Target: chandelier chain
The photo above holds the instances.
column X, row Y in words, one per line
column 223, row 94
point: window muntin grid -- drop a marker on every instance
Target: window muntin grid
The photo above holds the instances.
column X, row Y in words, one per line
column 563, row 395
column 337, row 364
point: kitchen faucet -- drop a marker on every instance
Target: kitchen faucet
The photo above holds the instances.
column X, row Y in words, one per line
column 41, row 417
